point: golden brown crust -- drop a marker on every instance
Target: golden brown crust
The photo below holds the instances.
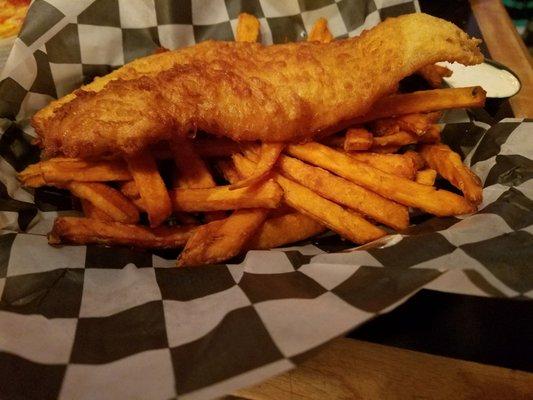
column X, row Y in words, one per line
column 246, row 91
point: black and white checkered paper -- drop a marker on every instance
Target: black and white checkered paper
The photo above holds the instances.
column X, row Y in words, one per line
column 94, row 322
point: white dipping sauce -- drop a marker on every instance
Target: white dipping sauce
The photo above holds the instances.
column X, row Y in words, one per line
column 496, row 82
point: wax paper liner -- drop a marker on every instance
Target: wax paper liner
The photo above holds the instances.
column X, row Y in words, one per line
column 93, row 322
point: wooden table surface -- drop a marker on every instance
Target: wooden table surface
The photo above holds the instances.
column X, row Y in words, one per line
column 353, row 369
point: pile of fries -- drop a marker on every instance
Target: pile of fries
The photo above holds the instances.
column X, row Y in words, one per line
column 220, row 198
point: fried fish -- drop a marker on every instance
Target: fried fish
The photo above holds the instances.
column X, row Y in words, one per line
column 246, row 91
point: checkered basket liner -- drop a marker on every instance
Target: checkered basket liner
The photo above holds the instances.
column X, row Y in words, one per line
column 85, row 322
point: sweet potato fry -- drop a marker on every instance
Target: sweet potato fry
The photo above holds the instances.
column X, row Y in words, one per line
column 214, row 148
column 417, row 123
column 267, row 195
column 448, row 164
column 86, row 231
column 358, row 139
column 320, row 32
column 247, row 28
column 221, row 240
column 106, row 199
column 192, row 170
column 425, row 101
column 345, row 193
column 90, row 211
column 283, row 229
column 434, row 74
column 415, row 157
column 400, row 138
column 426, row 177
column 268, row 155
column 396, row 164
column 346, row 223
column 151, row 187
column 401, row 190
column 58, row 170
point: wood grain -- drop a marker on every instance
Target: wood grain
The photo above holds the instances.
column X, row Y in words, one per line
column 352, row 369
column 506, row 46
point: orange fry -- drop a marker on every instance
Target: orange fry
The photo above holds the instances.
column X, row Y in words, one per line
column 90, row 211
column 268, row 155
column 358, row 139
column 247, row 28
column 426, row 177
column 221, row 240
column 434, row 74
column 345, row 193
column 320, row 32
column 396, row 164
column 449, row 165
column 396, row 139
column 106, row 199
column 346, row 223
column 57, row 170
column 85, row 231
column 415, row 157
column 425, row 101
column 401, row 190
column 267, row 195
column 151, row 187
column 283, row 229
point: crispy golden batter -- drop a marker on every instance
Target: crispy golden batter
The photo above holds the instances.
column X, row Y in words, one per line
column 246, row 91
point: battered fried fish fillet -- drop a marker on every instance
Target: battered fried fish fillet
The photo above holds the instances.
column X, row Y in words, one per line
column 247, row 91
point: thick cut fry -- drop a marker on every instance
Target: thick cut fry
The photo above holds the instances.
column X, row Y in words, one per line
column 345, row 193
column 396, row 164
column 154, row 194
column 385, row 126
column 90, row 211
column 106, row 199
column 425, row 101
column 213, row 148
column 403, row 191
column 448, row 164
column 268, row 155
column 284, row 229
column 247, row 28
column 86, row 231
column 346, row 223
column 267, row 195
column 192, row 170
column 396, row 139
column 221, row 240
column 320, row 32
column 358, row 139
column 58, row 170
column 417, row 123
column 426, row 177
column 434, row 74
column 415, row 157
